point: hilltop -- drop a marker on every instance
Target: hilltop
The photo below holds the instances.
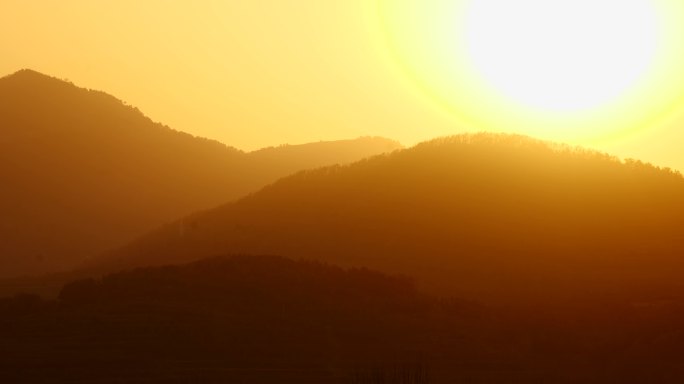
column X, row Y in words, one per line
column 83, row 172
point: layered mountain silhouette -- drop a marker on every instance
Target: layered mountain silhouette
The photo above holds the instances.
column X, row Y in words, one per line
column 82, row 172
column 480, row 258
column 263, row 319
column 483, row 217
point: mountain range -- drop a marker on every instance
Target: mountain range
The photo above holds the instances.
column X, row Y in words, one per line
column 151, row 255
column 482, row 217
column 83, row 172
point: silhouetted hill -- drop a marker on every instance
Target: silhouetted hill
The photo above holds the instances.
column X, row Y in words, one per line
column 227, row 319
column 82, row 172
column 478, row 216
column 262, row 319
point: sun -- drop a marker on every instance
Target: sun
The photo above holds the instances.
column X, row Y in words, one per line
column 580, row 71
column 561, row 55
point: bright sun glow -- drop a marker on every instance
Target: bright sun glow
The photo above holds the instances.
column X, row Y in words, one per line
column 580, row 71
column 561, row 55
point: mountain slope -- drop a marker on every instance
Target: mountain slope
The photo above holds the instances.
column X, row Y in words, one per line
column 82, row 172
column 486, row 217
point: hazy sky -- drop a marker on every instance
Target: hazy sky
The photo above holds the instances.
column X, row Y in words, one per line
column 265, row 72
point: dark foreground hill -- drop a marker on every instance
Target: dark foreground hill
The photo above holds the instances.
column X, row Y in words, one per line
column 484, row 217
column 82, row 172
column 258, row 319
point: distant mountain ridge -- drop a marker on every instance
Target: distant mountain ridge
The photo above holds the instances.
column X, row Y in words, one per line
column 82, row 172
column 477, row 216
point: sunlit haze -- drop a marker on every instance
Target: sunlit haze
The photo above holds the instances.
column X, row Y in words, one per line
column 602, row 73
column 267, row 72
column 342, row 191
column 562, row 55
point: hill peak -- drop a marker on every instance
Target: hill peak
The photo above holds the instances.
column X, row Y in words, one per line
column 26, row 72
column 31, row 77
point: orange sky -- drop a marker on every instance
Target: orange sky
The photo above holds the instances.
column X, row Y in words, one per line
column 250, row 73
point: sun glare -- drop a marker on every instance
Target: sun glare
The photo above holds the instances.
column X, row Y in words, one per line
column 561, row 55
column 579, row 71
